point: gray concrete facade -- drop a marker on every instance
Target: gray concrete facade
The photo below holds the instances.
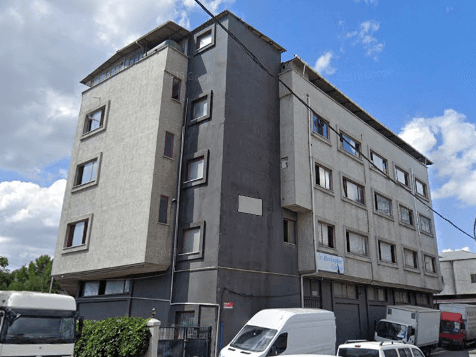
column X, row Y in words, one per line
column 241, row 184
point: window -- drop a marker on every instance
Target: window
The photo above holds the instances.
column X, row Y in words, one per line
column 402, row 297
column 195, row 169
column 199, row 108
column 280, row 345
column 344, row 291
column 176, row 85
column 76, row 233
column 324, row 177
column 406, row 215
column 353, row 191
column 325, row 234
column 411, row 258
column 383, row 205
column 356, row 244
column 430, row 264
column 378, row 161
column 106, row 287
column 425, row 224
column 320, row 126
column 473, row 278
column 169, row 144
column 164, row 203
column 350, row 145
column 94, row 120
column 387, row 252
column 191, row 240
column 417, row 353
column 422, row 299
column 204, row 39
column 289, row 231
column 402, row 176
column 377, row 294
column 86, row 172
column 421, row 188
column 184, row 318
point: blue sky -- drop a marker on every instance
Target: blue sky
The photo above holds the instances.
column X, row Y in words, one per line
column 410, row 64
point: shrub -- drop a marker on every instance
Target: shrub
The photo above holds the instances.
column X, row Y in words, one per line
column 114, row 337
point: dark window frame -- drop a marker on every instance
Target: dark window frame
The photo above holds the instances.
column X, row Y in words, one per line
column 169, row 145
column 176, row 91
column 163, row 211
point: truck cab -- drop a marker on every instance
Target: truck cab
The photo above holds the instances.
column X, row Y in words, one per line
column 452, row 329
column 37, row 324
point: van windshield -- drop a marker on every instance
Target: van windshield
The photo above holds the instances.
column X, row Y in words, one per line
column 392, row 330
column 253, row 338
column 357, row 352
column 449, row 327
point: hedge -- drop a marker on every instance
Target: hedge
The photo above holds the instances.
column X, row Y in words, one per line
column 114, row 337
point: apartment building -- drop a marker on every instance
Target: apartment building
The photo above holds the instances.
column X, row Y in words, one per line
column 202, row 188
column 458, row 273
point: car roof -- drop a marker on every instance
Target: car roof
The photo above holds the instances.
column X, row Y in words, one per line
column 374, row 345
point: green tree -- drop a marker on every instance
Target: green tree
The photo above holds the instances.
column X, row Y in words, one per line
column 35, row 277
column 5, row 276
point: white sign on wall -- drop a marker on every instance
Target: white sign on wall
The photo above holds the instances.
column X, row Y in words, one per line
column 329, row 262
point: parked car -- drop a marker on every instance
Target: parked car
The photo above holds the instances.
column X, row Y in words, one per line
column 378, row 349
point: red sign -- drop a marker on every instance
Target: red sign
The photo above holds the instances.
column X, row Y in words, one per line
column 228, row 305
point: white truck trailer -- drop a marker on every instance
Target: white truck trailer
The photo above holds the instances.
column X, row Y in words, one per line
column 37, row 324
column 416, row 325
column 458, row 325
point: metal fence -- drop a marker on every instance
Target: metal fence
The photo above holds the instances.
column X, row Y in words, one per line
column 184, row 342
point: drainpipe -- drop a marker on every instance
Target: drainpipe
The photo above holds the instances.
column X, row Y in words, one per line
column 311, row 167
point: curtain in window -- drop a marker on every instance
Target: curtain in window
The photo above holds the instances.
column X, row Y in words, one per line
column 357, row 244
column 323, row 234
column 409, row 259
column 200, row 108
column 429, row 264
column 386, row 252
column 191, row 241
column 195, row 170
column 379, row 162
column 383, row 205
column 324, row 178
column 354, row 192
column 425, row 224
column 405, row 215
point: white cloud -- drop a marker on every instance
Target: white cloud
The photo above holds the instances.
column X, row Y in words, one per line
column 365, row 36
column 29, row 217
column 323, row 63
column 450, row 142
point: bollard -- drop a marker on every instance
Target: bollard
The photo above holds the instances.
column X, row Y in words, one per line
column 153, row 324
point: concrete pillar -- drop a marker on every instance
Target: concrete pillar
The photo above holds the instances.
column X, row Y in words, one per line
column 154, row 325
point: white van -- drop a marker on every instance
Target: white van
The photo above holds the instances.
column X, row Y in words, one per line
column 273, row 332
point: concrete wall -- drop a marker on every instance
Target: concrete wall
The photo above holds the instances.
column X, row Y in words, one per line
column 457, row 276
column 332, row 207
column 125, row 236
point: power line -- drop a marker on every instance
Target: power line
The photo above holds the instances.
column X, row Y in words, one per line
column 341, row 137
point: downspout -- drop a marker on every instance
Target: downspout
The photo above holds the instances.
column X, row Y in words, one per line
column 177, row 203
column 311, row 167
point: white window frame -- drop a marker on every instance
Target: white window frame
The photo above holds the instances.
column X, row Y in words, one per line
column 104, row 107
column 345, row 190
column 198, row 253
column 406, row 176
column 207, row 98
column 354, row 142
column 193, row 158
column 424, row 187
column 80, row 171
column 328, row 181
column 376, row 162
column 379, row 209
column 393, row 252
column 86, row 235
column 201, row 34
column 430, row 231
column 348, row 236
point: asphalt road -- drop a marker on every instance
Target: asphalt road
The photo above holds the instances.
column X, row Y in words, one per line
column 441, row 352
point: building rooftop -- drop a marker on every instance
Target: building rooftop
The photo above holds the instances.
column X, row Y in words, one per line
column 338, row 96
column 457, row 255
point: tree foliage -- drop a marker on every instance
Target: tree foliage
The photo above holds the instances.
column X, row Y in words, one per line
column 35, row 277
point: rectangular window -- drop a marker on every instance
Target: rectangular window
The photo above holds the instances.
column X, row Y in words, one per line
column 195, row 169
column 176, row 85
column 411, row 258
column 356, row 244
column 325, row 234
column 86, row 172
column 378, row 161
column 402, row 297
column 184, row 318
column 204, row 40
column 406, row 215
column 383, row 205
column 289, row 231
column 91, row 288
column 191, row 241
column 164, row 204
column 320, row 126
column 350, row 145
column 473, row 278
column 430, row 264
column 425, row 224
column 117, row 287
column 387, row 252
column 353, row 191
column 421, row 188
column 169, row 144
column 377, row 294
column 94, row 120
column 200, row 108
column 402, row 176
column 324, row 177
column 344, row 291
column 76, row 233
